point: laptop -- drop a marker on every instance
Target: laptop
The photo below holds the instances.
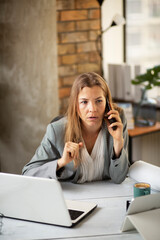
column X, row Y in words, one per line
column 39, row 200
column 144, row 215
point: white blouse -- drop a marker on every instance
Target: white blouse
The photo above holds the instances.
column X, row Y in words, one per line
column 91, row 166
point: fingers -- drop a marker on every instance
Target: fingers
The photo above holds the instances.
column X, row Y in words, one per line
column 80, row 145
column 72, row 149
column 113, row 119
column 118, row 132
column 114, row 114
column 117, row 124
column 70, row 153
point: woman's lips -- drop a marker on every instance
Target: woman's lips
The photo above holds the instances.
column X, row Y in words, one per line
column 92, row 118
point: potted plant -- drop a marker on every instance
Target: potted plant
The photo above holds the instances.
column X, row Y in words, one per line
column 147, row 80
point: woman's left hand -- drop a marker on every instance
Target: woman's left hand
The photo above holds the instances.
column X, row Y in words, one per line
column 118, row 133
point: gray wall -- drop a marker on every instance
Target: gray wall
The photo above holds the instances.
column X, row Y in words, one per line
column 28, row 78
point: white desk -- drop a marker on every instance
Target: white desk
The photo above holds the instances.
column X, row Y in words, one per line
column 104, row 223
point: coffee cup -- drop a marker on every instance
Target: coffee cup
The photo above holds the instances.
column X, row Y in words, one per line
column 141, row 189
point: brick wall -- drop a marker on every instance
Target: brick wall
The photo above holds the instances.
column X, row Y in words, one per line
column 78, row 24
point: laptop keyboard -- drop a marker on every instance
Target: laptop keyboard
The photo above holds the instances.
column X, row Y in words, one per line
column 74, row 213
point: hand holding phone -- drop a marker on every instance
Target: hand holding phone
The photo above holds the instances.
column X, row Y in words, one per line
column 112, row 120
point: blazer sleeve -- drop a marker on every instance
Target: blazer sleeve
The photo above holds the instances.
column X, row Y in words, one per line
column 119, row 166
column 44, row 161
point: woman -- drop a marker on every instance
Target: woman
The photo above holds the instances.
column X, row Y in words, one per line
column 82, row 146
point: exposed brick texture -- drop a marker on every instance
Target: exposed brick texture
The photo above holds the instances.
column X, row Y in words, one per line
column 64, row 92
column 86, row 47
column 88, row 25
column 66, row 49
column 86, row 4
column 73, row 15
column 78, row 25
column 74, row 37
column 94, row 14
column 66, row 27
column 65, row 4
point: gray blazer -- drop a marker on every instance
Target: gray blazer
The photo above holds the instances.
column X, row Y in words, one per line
column 44, row 162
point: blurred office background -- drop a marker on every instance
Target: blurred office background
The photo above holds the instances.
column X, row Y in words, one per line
column 45, row 44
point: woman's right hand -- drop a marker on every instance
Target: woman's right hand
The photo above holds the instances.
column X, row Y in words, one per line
column 70, row 153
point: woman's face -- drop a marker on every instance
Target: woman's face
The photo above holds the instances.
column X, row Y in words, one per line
column 91, row 107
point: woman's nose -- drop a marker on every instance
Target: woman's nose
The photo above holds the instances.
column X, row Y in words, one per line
column 92, row 107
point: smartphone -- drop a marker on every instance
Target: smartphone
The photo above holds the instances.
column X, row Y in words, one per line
column 112, row 120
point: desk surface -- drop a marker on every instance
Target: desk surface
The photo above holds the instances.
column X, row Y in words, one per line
column 104, row 223
column 138, row 131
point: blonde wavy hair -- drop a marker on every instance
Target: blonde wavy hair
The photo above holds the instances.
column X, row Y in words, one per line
column 73, row 128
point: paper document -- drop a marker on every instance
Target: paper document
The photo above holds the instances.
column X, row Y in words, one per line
column 145, row 172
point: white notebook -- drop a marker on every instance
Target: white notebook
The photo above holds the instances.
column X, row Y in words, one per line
column 39, row 200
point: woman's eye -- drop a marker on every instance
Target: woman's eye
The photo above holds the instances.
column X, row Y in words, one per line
column 84, row 102
column 99, row 101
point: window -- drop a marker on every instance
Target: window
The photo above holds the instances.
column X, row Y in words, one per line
column 143, row 35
